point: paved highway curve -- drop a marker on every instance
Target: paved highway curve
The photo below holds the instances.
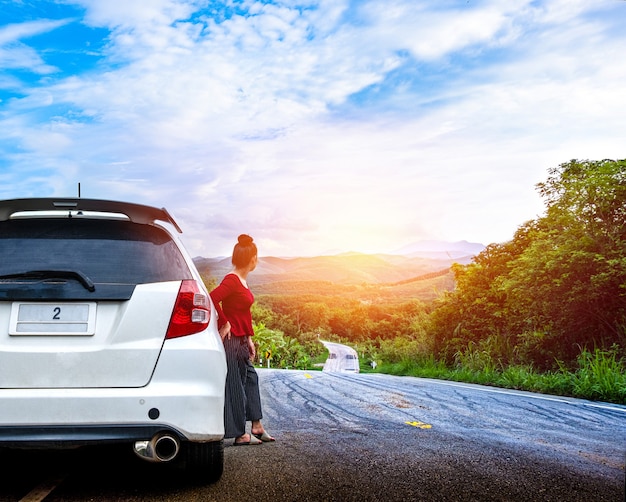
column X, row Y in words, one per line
column 345, row 437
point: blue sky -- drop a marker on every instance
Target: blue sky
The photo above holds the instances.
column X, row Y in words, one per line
column 316, row 126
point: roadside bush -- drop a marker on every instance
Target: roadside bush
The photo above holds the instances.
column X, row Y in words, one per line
column 600, row 375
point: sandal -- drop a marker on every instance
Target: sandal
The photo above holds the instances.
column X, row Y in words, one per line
column 253, row 441
column 264, row 437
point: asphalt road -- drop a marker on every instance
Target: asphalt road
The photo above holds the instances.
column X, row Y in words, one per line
column 345, row 437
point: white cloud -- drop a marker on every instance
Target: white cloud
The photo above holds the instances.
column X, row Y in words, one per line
column 249, row 123
column 15, row 54
column 430, row 34
column 135, row 16
column 12, row 33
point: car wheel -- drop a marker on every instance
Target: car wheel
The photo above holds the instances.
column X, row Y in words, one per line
column 204, row 462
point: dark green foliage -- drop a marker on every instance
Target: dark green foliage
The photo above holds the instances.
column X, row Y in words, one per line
column 559, row 285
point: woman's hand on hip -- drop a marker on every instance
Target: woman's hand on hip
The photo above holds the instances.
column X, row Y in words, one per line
column 251, row 349
column 225, row 330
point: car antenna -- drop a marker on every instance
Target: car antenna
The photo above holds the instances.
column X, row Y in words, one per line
column 79, row 189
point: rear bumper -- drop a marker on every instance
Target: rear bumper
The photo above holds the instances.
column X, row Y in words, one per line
column 55, row 417
column 185, row 396
column 67, row 436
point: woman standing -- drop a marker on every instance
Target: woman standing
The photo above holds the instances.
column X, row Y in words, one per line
column 232, row 300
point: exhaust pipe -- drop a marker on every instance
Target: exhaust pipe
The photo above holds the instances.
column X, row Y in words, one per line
column 163, row 447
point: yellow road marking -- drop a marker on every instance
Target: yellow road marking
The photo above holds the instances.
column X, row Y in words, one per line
column 420, row 425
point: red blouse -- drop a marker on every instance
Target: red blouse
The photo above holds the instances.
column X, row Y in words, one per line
column 232, row 301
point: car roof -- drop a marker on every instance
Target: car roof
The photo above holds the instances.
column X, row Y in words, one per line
column 137, row 213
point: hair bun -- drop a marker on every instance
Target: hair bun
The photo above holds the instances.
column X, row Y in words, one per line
column 244, row 240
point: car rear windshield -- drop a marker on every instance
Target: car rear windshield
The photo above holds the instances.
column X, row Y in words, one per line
column 107, row 251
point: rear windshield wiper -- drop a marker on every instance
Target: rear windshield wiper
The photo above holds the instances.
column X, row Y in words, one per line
column 54, row 274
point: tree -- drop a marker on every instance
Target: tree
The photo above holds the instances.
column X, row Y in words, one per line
column 571, row 280
column 559, row 286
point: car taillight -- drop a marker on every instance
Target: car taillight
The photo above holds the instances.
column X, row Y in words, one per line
column 191, row 311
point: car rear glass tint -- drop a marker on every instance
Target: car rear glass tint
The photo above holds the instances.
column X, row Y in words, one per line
column 104, row 250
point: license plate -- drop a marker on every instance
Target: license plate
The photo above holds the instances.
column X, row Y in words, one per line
column 64, row 319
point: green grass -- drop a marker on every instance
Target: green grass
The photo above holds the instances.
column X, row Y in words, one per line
column 600, row 376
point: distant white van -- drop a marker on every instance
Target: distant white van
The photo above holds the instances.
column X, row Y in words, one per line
column 341, row 358
column 350, row 364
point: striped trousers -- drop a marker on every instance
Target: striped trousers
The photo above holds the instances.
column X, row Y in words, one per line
column 243, row 400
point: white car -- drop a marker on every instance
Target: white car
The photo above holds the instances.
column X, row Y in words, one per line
column 107, row 334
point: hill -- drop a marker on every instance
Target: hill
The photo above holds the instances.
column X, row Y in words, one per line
column 459, row 250
column 425, row 273
column 345, row 269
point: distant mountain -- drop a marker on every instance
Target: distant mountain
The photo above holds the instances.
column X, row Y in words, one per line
column 352, row 268
column 441, row 249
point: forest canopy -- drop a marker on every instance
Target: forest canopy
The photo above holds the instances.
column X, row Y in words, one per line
column 558, row 286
